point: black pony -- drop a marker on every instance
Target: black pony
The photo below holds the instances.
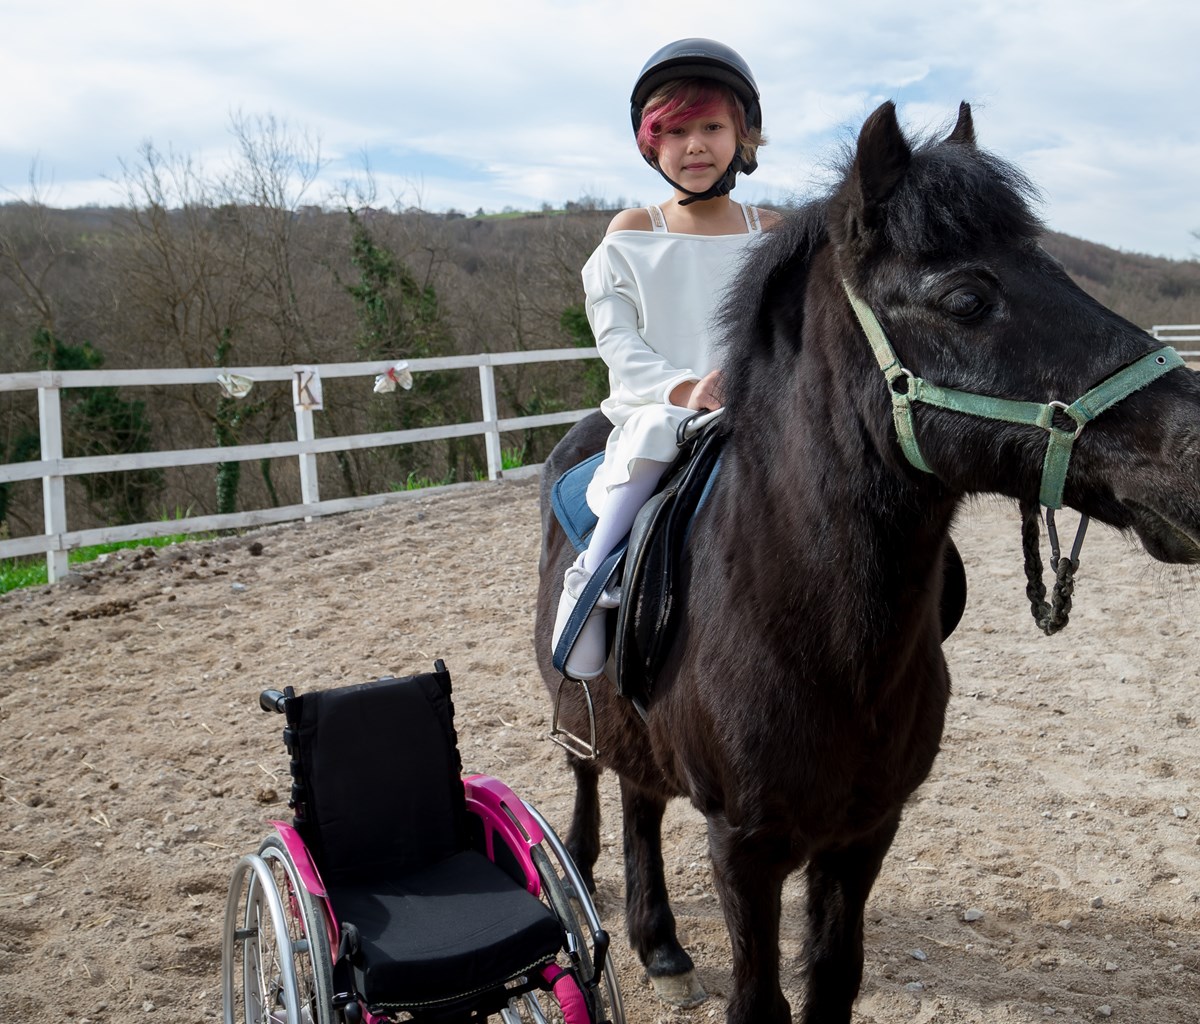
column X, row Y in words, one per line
column 803, row 699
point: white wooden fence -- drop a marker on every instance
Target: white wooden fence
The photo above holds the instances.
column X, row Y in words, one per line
column 1174, row 334
column 53, row 468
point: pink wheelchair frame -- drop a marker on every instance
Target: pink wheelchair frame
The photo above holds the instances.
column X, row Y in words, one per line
column 506, row 820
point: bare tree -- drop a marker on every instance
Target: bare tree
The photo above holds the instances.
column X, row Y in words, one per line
column 210, row 269
column 268, row 184
column 44, row 267
column 32, row 249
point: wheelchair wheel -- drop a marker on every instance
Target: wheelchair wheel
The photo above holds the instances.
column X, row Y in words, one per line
column 532, row 1008
column 276, row 960
column 564, row 890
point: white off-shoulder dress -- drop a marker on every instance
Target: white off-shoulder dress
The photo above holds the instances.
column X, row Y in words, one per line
column 651, row 297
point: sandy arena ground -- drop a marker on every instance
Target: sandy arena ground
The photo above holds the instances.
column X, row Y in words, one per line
column 1049, row 867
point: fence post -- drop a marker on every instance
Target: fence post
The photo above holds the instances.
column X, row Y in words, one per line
column 54, row 467
column 310, row 487
column 487, row 389
column 54, row 489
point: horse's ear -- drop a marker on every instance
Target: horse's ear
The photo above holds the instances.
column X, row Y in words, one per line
column 964, row 128
column 880, row 162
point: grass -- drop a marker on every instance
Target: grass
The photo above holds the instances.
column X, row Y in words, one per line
column 31, row 572
column 21, row 572
column 419, row 483
column 510, row 458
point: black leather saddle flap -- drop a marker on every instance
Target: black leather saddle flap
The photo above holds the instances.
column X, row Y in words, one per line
column 650, row 588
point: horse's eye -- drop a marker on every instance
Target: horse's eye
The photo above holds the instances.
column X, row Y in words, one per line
column 965, row 304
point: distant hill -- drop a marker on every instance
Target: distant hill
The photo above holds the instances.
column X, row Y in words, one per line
column 1145, row 289
column 252, row 285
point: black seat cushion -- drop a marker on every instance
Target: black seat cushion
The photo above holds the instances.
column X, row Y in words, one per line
column 448, row 930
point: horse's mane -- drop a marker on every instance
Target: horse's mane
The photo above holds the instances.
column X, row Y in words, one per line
column 954, row 201
column 764, row 309
column 957, row 199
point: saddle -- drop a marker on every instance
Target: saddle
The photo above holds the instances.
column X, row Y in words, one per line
column 647, row 563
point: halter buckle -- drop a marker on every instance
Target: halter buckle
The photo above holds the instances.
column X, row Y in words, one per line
column 1065, row 409
column 908, row 376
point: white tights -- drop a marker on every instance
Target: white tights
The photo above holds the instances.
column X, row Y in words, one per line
column 620, row 508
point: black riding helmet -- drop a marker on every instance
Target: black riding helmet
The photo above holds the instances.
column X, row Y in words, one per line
column 700, row 58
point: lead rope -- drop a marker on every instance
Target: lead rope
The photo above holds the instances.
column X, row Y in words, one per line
column 1050, row 616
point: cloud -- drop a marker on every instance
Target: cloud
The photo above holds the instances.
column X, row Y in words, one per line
column 492, row 105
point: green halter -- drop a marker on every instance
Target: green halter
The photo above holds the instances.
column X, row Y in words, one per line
column 1083, row 410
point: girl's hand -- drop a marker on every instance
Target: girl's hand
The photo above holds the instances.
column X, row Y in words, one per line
column 701, row 395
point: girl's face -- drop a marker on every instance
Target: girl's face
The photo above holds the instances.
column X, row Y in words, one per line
column 696, row 153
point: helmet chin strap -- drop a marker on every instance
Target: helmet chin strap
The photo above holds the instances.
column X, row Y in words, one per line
column 721, row 187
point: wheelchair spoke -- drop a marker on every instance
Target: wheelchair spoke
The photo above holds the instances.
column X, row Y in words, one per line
column 282, row 971
column 526, row 1009
column 280, row 930
column 265, row 1002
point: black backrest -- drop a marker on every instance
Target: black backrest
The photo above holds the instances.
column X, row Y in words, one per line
column 378, row 776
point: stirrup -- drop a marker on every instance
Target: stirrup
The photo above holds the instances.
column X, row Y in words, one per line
column 572, row 744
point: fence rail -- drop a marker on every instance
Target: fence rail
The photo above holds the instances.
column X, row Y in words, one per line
column 1173, row 333
column 53, row 468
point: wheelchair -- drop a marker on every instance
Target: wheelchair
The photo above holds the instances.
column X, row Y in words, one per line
column 402, row 890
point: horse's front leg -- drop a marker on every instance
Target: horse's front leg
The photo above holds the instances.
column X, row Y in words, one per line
column 583, row 836
column 749, row 869
column 648, row 917
column 839, row 882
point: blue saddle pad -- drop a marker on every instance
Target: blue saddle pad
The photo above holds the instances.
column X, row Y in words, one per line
column 568, row 498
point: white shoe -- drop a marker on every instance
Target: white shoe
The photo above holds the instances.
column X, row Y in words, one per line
column 587, row 657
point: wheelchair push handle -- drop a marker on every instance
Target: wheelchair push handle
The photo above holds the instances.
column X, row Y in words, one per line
column 273, row 700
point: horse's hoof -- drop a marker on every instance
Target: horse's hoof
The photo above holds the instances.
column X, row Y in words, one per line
column 682, row 990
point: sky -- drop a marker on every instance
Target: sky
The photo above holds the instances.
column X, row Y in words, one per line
column 468, row 105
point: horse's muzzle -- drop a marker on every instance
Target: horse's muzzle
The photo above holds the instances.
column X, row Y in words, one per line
column 1167, row 535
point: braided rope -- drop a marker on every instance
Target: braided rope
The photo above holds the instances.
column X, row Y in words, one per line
column 1050, row 616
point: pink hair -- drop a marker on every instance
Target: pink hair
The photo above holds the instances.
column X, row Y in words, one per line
column 683, row 100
